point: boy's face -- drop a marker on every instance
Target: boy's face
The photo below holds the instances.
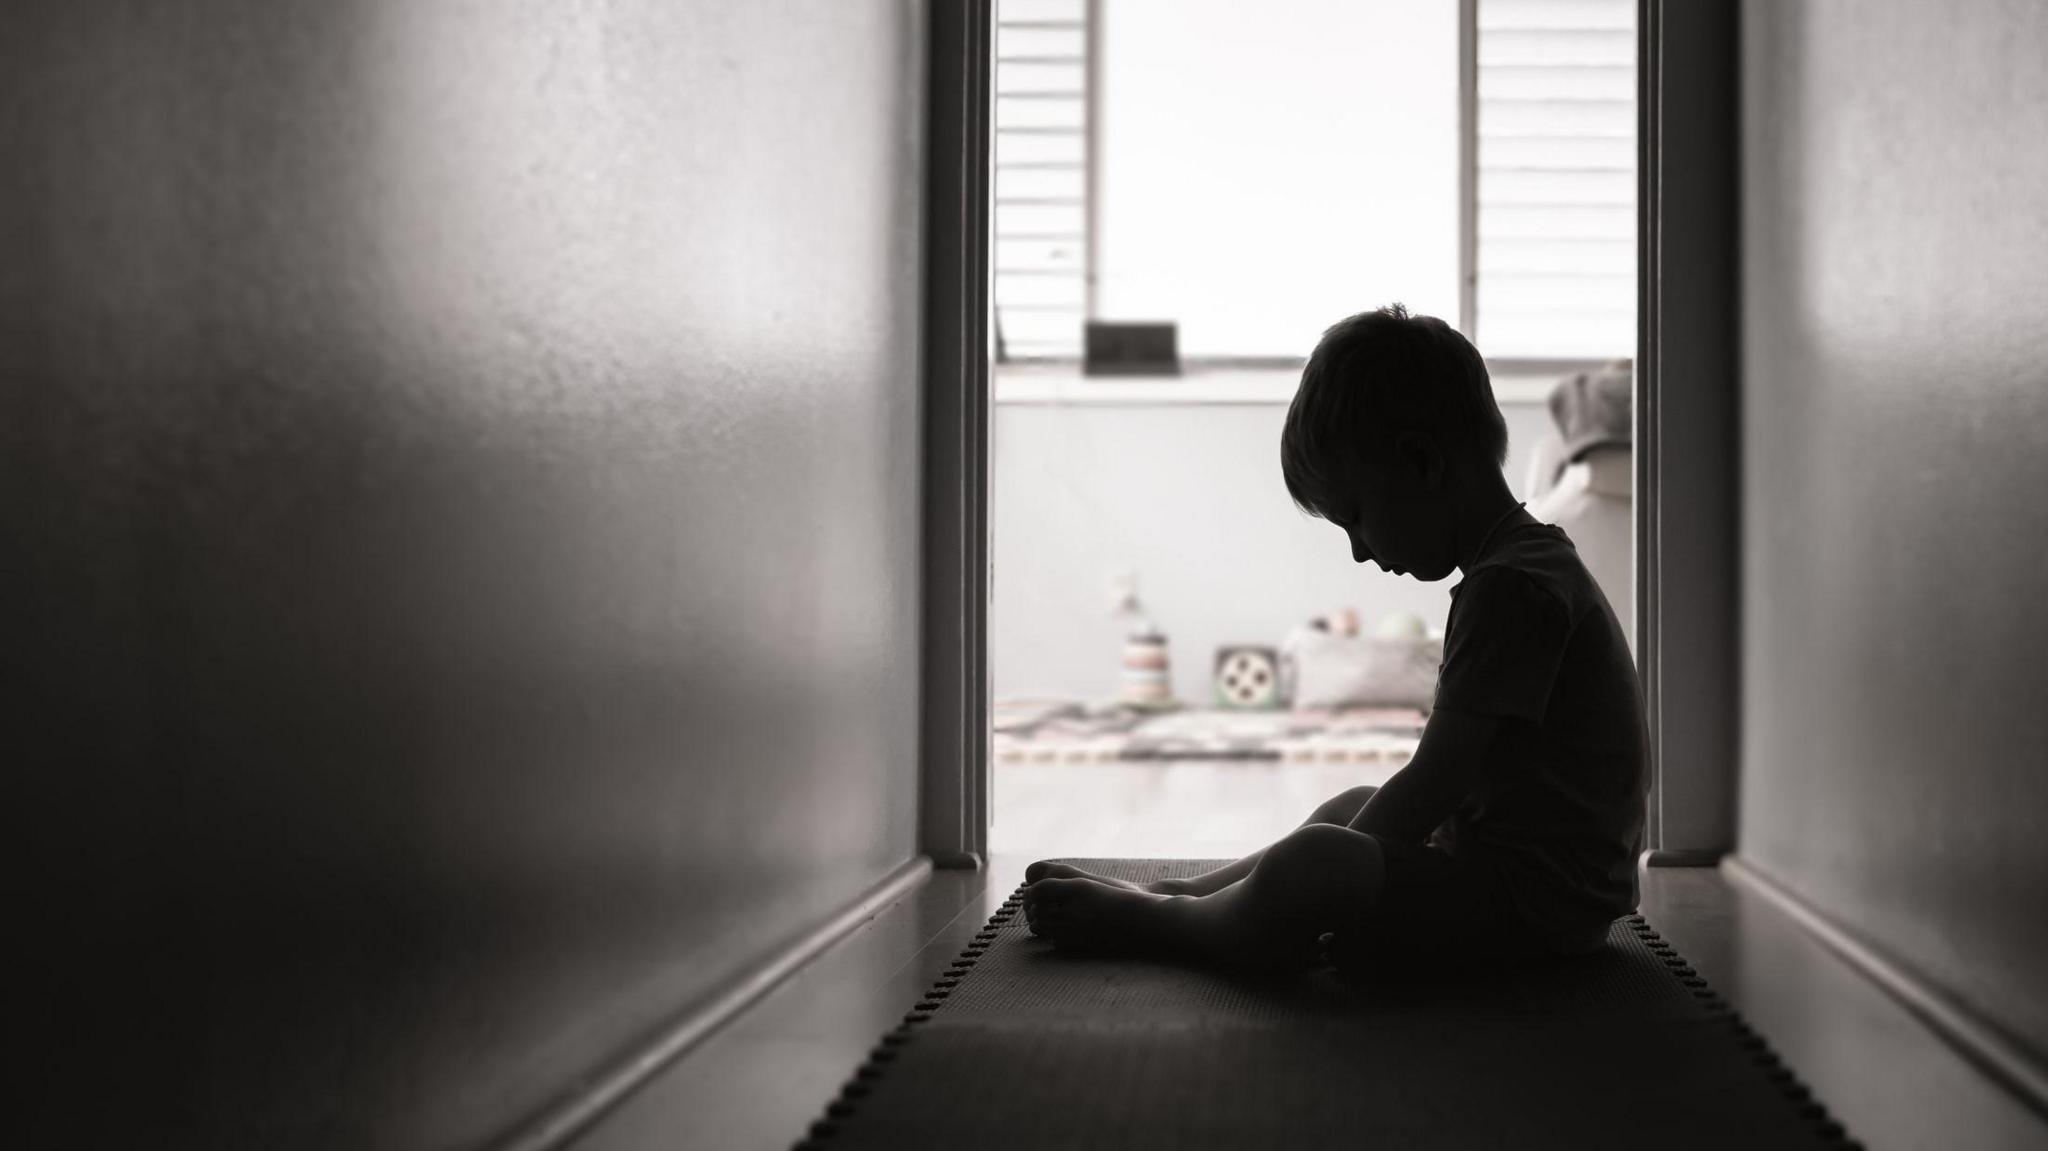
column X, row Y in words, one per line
column 1400, row 519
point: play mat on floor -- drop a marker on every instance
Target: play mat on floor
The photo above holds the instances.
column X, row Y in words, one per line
column 1062, row 731
column 1020, row 1044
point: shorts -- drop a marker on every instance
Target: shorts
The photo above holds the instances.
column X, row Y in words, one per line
column 1442, row 913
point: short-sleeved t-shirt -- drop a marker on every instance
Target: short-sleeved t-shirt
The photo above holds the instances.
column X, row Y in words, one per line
column 1559, row 812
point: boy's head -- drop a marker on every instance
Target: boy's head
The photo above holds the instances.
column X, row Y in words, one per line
column 1393, row 426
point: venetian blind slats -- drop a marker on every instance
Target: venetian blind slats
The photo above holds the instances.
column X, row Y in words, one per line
column 1556, row 252
column 1040, row 220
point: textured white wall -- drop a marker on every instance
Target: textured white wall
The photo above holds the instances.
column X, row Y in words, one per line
column 1190, row 497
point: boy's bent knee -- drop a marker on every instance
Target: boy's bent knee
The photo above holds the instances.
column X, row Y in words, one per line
column 1319, row 878
column 1343, row 807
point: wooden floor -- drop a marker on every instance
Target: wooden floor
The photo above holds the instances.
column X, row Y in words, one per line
column 1183, row 808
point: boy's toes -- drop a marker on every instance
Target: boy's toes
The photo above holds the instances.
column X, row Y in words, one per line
column 1052, row 869
column 1047, row 869
column 1042, row 905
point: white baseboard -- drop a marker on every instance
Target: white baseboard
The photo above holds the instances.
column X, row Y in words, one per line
column 1984, row 1045
column 600, row 1092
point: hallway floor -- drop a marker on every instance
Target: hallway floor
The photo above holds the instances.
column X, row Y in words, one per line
column 760, row 1082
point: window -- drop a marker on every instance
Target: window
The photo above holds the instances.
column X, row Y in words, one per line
column 1041, row 220
column 1556, row 191
column 1253, row 173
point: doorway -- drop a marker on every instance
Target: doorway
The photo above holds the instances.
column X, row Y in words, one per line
column 1179, row 662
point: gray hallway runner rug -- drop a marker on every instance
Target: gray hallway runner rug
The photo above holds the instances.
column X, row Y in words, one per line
column 1019, row 1045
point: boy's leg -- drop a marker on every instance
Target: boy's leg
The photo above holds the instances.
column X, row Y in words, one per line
column 1321, row 878
column 1339, row 809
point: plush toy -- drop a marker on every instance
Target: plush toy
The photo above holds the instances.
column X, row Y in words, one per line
column 1343, row 621
column 1324, row 663
column 1401, row 625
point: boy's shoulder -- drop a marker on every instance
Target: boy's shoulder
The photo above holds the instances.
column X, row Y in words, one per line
column 1513, row 618
column 1538, row 564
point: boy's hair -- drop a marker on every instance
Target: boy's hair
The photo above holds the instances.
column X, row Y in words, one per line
column 1374, row 375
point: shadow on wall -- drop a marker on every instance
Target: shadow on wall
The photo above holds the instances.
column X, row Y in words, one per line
column 447, row 575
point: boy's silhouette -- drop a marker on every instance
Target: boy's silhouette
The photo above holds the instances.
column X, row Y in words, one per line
column 1512, row 833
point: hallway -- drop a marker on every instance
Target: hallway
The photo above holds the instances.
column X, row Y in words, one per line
column 495, row 594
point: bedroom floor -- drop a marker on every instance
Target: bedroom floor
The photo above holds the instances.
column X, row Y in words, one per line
column 1185, row 809
column 1194, row 783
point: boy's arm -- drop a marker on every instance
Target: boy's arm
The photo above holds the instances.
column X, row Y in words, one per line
column 1446, row 768
column 1500, row 660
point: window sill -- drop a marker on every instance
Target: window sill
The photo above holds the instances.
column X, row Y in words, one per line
column 1064, row 385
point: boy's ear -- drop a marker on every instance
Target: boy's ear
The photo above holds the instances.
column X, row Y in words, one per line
column 1421, row 459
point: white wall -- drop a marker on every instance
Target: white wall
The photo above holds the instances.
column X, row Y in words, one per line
column 1190, row 496
column 1265, row 169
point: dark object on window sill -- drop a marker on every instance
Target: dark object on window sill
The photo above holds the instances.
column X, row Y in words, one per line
column 1131, row 349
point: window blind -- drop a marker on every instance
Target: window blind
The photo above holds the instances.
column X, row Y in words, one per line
column 1555, row 253
column 1040, row 217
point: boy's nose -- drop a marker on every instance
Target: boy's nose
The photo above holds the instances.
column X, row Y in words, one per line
column 1359, row 552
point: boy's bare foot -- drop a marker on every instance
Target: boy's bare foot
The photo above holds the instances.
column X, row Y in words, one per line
column 1047, row 869
column 1080, row 912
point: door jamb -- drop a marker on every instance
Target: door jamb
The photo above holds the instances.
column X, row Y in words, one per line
column 953, row 803
column 1687, row 381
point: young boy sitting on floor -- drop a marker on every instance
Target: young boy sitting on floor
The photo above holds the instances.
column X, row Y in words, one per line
column 1512, row 834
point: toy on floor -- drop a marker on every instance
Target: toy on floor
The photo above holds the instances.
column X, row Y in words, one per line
column 1147, row 682
column 1331, row 662
column 1401, row 625
column 1247, row 677
column 1343, row 621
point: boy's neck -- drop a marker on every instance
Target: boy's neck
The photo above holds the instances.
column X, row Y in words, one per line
column 1489, row 509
